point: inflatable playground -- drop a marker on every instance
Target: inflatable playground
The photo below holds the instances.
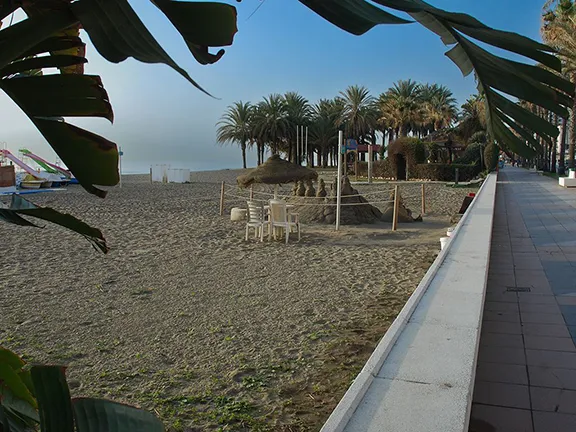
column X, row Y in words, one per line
column 17, row 174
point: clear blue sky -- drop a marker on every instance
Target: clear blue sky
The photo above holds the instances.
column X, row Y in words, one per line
column 160, row 118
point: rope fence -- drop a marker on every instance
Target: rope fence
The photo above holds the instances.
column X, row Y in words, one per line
column 227, row 189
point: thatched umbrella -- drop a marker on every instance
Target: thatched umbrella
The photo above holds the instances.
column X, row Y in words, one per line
column 276, row 171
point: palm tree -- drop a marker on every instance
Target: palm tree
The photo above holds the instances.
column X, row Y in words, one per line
column 271, row 122
column 400, row 107
column 473, row 117
column 235, row 126
column 298, row 114
column 559, row 30
column 439, row 107
column 323, row 130
column 357, row 116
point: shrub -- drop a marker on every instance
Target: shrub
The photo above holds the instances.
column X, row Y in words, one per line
column 380, row 169
column 433, row 152
column 491, row 156
column 443, row 172
column 471, row 156
column 413, row 149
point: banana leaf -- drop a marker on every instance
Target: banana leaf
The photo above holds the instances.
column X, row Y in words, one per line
column 22, row 207
column 202, row 25
column 53, row 396
column 498, row 77
column 99, row 415
column 118, row 33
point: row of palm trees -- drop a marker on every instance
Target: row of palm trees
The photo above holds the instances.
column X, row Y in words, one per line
column 559, row 30
column 406, row 108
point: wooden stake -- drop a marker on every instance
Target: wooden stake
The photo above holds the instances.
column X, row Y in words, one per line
column 222, row 199
column 251, row 192
column 150, row 175
column 396, row 207
column 423, row 199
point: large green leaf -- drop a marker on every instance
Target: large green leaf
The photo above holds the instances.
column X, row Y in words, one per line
column 509, row 126
column 53, row 398
column 202, row 25
column 19, row 38
column 52, row 61
column 11, row 359
column 60, row 96
column 354, row 16
column 118, row 33
column 21, row 415
column 21, row 207
column 90, row 157
column 54, row 43
column 99, row 415
column 10, row 380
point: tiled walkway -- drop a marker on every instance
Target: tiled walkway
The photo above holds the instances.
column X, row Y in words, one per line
column 526, row 376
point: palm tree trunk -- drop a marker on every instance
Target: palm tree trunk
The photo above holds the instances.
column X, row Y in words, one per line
column 258, row 153
column 572, row 130
column 561, row 168
column 243, row 146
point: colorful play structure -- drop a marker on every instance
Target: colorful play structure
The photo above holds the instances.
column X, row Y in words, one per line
column 53, row 176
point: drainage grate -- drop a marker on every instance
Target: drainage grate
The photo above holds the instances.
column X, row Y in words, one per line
column 517, row 289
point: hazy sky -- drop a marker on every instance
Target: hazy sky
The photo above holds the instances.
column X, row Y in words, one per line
column 160, row 118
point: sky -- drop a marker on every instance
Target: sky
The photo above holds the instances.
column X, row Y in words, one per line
column 283, row 46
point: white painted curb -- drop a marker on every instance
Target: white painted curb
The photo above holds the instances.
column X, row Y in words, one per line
column 341, row 415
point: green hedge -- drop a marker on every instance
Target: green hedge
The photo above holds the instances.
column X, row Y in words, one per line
column 491, row 153
column 443, row 172
column 380, row 169
column 471, row 156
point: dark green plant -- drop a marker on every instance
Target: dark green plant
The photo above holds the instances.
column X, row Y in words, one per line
column 491, row 153
column 39, row 395
column 444, row 172
column 472, row 155
column 413, row 150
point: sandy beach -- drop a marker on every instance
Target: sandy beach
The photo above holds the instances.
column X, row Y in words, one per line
column 185, row 318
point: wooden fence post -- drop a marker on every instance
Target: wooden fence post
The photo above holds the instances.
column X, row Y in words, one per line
column 423, row 199
column 251, row 192
column 396, row 206
column 222, row 199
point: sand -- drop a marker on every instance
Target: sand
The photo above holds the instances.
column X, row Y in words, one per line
column 185, row 318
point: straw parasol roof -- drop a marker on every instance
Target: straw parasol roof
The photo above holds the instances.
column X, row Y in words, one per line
column 277, row 171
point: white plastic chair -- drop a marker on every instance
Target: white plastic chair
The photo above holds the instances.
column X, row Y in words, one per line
column 255, row 219
column 281, row 218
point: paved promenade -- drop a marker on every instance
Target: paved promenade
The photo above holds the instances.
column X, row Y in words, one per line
column 526, row 374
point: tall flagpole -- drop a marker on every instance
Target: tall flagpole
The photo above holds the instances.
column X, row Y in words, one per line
column 307, row 156
column 339, row 185
column 296, row 158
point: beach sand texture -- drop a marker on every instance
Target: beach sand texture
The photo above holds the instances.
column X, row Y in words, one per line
column 185, row 318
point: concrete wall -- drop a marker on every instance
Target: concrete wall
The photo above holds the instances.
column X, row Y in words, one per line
column 420, row 377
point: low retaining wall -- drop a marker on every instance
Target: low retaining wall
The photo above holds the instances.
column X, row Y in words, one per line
column 421, row 375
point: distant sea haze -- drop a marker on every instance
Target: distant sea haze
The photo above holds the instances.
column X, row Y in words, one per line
column 131, row 167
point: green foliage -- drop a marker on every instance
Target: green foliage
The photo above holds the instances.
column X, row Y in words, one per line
column 472, row 156
column 510, row 124
column 444, row 172
column 40, row 396
column 433, row 151
column 22, row 207
column 491, row 153
column 380, row 169
column 413, row 150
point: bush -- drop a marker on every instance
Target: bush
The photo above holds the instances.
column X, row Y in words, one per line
column 380, row 169
column 413, row 150
column 491, row 156
column 433, row 151
column 443, row 172
column 471, row 156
